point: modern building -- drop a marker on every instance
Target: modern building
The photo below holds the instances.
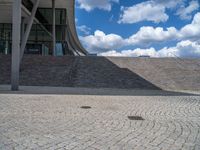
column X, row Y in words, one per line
column 41, row 27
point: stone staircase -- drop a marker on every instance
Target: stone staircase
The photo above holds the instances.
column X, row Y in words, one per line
column 38, row 70
column 166, row 73
column 106, row 72
column 101, row 72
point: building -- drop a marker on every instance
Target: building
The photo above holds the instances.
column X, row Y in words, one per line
column 42, row 27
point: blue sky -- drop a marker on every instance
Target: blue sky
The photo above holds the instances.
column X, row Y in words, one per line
column 159, row 28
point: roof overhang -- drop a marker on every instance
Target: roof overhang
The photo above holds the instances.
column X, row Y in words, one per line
column 6, row 10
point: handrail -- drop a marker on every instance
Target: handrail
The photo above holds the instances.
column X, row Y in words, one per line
column 181, row 60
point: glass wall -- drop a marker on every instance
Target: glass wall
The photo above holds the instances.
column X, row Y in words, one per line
column 60, row 15
column 5, row 38
column 40, row 38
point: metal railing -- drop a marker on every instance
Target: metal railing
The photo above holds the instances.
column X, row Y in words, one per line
column 182, row 61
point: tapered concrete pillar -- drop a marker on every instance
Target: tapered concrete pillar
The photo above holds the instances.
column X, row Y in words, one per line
column 28, row 28
column 16, row 32
column 54, row 27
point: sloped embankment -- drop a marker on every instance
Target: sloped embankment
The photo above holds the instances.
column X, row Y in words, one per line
column 106, row 72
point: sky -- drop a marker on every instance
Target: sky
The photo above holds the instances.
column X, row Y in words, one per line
column 132, row 28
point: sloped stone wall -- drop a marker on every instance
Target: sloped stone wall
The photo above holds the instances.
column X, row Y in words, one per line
column 106, row 72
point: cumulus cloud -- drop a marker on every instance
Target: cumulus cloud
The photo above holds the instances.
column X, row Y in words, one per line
column 130, row 53
column 148, row 35
column 185, row 12
column 145, row 37
column 102, row 42
column 182, row 49
column 155, row 11
column 191, row 31
column 89, row 5
column 76, row 20
column 171, row 4
column 145, row 11
column 83, row 28
column 188, row 49
column 185, row 48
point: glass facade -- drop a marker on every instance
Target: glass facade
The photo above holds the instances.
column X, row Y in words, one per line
column 40, row 39
column 5, row 38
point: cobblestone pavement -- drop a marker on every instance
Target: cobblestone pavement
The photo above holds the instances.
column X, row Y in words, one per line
column 30, row 121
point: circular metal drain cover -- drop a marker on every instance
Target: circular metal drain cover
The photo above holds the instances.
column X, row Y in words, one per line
column 135, row 118
column 86, row 107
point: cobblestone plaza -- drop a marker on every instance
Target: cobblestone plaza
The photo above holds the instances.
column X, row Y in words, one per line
column 65, row 97
column 51, row 121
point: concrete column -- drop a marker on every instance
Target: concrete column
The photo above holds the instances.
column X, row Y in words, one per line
column 29, row 26
column 16, row 31
column 54, row 27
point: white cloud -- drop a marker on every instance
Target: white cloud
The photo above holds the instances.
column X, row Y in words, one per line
column 182, row 49
column 169, row 3
column 111, row 18
column 83, row 28
column 191, row 31
column 145, row 11
column 89, row 5
column 76, row 20
column 102, row 42
column 130, row 53
column 186, row 12
column 148, row 35
column 145, row 36
column 155, row 11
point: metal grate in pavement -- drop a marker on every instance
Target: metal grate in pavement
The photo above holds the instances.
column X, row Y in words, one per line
column 135, row 118
column 86, row 107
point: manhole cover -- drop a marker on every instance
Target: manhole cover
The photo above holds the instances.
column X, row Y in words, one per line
column 135, row 118
column 86, row 107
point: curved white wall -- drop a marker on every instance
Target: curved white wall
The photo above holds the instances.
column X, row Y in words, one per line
column 74, row 40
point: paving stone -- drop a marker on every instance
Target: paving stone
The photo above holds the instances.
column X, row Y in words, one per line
column 29, row 121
